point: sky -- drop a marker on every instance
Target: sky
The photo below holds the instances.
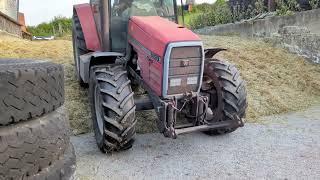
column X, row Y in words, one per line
column 38, row 11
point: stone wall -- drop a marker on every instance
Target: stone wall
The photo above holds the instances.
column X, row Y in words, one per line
column 9, row 25
column 267, row 26
column 298, row 40
column 299, row 33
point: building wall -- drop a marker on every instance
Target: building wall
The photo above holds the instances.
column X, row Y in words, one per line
column 10, row 8
column 10, row 26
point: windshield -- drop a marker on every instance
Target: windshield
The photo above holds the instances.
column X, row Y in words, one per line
column 122, row 10
column 127, row 8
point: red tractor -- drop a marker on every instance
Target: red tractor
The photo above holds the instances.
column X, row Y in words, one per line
column 121, row 44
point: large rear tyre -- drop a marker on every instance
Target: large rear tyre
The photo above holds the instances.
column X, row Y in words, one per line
column 112, row 107
column 79, row 46
column 227, row 92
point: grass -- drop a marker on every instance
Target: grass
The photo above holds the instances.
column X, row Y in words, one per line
column 277, row 81
column 187, row 18
column 58, row 51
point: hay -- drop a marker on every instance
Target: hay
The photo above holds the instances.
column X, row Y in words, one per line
column 277, row 81
column 58, row 51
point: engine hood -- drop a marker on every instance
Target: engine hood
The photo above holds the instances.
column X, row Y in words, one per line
column 155, row 32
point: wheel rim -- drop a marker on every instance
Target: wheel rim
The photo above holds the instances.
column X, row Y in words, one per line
column 211, row 86
column 97, row 104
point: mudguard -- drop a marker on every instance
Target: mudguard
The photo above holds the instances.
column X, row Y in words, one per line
column 85, row 14
column 209, row 53
column 87, row 60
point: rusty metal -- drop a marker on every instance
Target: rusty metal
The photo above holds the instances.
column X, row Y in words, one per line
column 201, row 128
column 170, row 121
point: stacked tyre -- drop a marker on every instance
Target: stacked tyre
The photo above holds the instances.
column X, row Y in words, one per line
column 34, row 130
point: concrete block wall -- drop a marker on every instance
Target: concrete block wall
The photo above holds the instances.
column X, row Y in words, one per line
column 302, row 37
column 10, row 26
column 10, row 8
column 304, row 44
column 266, row 27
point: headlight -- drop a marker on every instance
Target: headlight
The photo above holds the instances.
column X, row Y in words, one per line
column 175, row 82
column 192, row 80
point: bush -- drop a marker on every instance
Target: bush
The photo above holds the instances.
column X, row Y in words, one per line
column 205, row 7
column 218, row 13
column 59, row 26
column 287, row 7
column 314, row 4
column 260, row 7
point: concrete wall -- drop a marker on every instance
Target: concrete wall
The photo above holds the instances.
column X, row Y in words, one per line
column 300, row 41
column 9, row 25
column 266, row 27
column 299, row 33
column 10, row 8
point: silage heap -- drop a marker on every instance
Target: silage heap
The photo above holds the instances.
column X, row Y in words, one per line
column 277, row 82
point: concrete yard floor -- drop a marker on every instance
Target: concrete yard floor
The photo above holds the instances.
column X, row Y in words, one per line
column 287, row 147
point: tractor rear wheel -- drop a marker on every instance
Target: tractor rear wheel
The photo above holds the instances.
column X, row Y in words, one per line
column 227, row 92
column 79, row 46
column 113, row 108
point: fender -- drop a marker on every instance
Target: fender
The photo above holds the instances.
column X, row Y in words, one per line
column 95, row 58
column 85, row 14
column 209, row 53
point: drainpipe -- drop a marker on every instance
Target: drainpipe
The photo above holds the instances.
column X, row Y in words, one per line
column 182, row 8
column 18, row 4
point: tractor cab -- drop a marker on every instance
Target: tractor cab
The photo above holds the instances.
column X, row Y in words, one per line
column 115, row 22
column 122, row 10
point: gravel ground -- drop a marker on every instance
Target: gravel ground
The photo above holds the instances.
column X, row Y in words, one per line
column 286, row 147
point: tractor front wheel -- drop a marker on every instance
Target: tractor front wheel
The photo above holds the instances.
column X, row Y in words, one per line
column 228, row 97
column 112, row 107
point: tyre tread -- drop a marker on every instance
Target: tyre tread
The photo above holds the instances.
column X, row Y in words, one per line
column 29, row 89
column 233, row 91
column 29, row 147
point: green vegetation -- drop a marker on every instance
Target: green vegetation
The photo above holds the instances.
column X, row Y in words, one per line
column 314, row 4
column 220, row 12
column 201, row 15
column 210, row 15
column 59, row 27
column 187, row 18
column 287, row 7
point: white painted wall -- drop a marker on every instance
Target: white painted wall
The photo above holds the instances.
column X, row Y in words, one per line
column 10, row 8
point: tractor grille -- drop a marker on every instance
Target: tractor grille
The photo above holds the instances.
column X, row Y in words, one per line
column 184, row 70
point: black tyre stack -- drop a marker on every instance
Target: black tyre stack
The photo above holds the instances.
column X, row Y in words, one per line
column 34, row 129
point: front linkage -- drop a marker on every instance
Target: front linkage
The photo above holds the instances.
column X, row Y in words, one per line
column 194, row 106
column 197, row 116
